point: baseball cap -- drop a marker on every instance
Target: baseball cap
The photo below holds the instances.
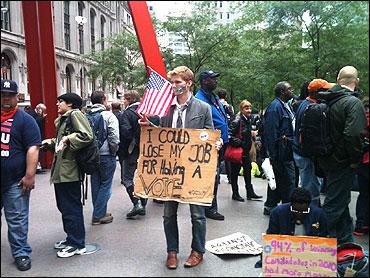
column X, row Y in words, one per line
column 71, row 98
column 318, row 84
column 9, row 86
column 208, row 73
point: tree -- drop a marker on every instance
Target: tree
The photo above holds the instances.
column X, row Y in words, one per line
column 120, row 63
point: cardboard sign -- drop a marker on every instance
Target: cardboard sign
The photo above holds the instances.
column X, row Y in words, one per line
column 177, row 164
column 299, row 256
column 237, row 243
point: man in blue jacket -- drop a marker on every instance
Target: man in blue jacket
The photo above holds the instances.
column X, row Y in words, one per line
column 279, row 122
column 208, row 83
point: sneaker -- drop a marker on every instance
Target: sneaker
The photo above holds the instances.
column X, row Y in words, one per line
column 143, row 211
column 60, row 244
column 215, row 216
column 23, row 263
column 108, row 218
column 70, row 251
column 359, row 231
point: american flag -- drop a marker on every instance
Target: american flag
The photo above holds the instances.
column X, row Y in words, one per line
column 158, row 96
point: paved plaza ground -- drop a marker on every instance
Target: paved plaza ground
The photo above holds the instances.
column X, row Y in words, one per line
column 138, row 247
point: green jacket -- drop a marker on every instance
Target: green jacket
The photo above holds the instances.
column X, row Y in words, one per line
column 64, row 168
column 347, row 128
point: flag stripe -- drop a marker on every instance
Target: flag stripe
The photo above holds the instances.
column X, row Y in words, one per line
column 157, row 97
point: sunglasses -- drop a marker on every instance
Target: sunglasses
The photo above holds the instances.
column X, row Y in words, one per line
column 300, row 211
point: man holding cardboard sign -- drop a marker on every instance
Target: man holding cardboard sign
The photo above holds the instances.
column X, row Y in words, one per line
column 186, row 112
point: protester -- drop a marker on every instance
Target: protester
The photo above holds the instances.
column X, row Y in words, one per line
column 182, row 113
column 241, row 136
column 116, row 108
column 208, row 83
column 279, row 122
column 129, row 150
column 362, row 208
column 306, row 165
column 347, row 129
column 20, row 141
column 39, row 114
column 229, row 109
column 65, row 173
column 101, row 181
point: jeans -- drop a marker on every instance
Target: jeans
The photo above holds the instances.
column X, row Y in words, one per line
column 198, row 221
column 285, row 178
column 68, row 197
column 309, row 180
column 337, row 199
column 362, row 204
column 16, row 209
column 214, row 207
column 101, row 185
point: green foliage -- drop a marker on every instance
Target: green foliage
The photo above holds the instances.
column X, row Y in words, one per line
column 120, row 63
column 273, row 41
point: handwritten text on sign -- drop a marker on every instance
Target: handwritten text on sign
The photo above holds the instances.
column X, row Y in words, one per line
column 177, row 164
column 236, row 243
column 299, row 256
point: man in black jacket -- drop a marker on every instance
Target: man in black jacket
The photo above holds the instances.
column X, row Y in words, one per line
column 347, row 129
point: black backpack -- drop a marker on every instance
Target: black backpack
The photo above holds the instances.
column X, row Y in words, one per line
column 87, row 158
column 314, row 133
column 97, row 124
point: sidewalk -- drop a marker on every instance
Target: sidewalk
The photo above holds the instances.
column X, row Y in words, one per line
column 138, row 247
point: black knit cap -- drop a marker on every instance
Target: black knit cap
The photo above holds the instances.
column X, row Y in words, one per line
column 72, row 98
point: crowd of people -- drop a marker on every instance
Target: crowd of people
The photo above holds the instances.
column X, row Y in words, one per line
column 293, row 206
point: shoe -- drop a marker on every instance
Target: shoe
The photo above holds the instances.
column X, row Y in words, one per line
column 254, row 196
column 70, row 251
column 237, row 198
column 137, row 209
column 23, row 263
column 143, row 211
column 60, row 244
column 108, row 218
column 194, row 259
column 215, row 216
column 171, row 262
column 360, row 231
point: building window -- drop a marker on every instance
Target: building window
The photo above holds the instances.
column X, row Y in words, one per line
column 220, row 4
column 220, row 15
column 68, row 80
column 111, row 28
column 128, row 19
column 5, row 15
column 81, row 28
column 6, row 67
column 102, row 25
column 228, row 15
column 92, row 29
column 67, row 27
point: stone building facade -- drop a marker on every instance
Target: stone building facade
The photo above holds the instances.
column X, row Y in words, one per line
column 78, row 26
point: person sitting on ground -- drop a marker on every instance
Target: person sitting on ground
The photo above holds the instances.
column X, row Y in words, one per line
column 299, row 217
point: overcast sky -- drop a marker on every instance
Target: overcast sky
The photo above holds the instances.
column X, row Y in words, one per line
column 163, row 8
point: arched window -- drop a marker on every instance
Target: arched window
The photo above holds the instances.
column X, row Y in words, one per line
column 81, row 8
column 5, row 15
column 92, row 29
column 67, row 28
column 68, row 80
column 6, row 67
column 102, row 25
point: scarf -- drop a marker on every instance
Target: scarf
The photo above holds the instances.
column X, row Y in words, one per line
column 8, row 115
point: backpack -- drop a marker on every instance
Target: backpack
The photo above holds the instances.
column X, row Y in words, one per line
column 87, row 158
column 97, row 124
column 314, row 133
column 353, row 259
